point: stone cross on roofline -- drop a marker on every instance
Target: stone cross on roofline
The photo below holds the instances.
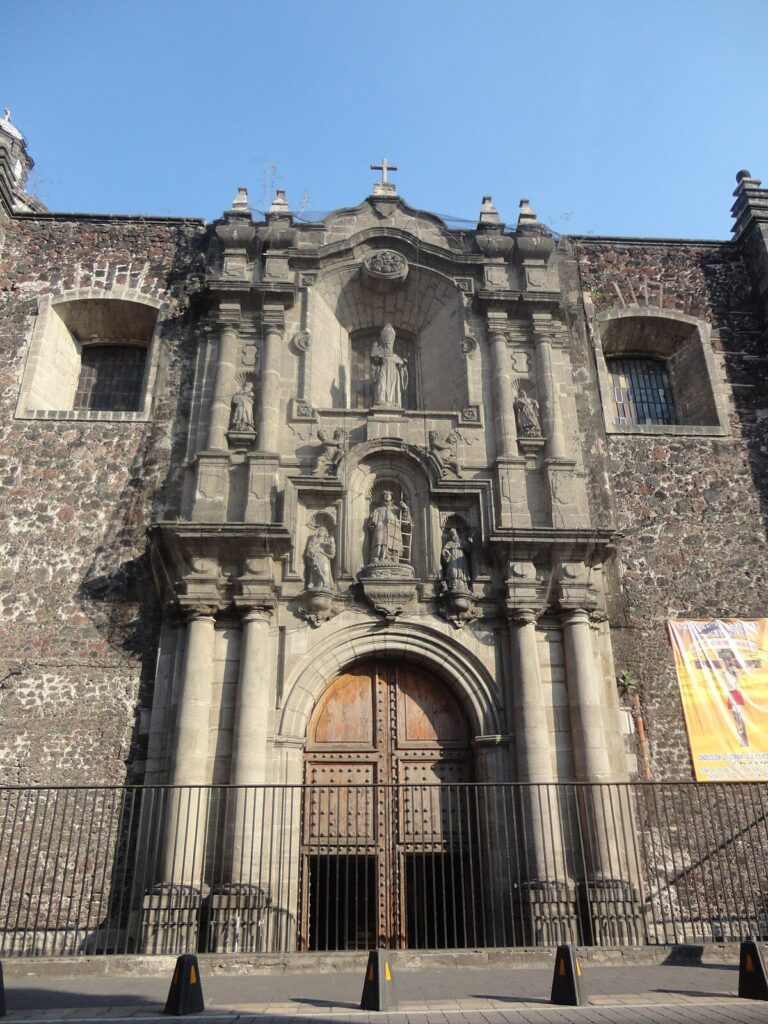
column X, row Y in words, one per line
column 384, row 187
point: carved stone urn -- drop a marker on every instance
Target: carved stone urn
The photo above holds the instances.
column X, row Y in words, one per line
column 389, row 587
column 458, row 604
column 318, row 605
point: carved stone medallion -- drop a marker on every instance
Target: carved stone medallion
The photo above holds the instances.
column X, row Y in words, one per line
column 384, row 269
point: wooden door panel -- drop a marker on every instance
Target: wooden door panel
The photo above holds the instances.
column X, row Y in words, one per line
column 427, row 712
column 337, row 812
column 345, row 715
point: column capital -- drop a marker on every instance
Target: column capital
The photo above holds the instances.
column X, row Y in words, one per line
column 273, row 317
column 258, row 613
column 228, row 315
column 192, row 612
column 498, row 324
column 575, row 616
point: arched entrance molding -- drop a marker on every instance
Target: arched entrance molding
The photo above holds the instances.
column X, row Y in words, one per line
column 464, row 673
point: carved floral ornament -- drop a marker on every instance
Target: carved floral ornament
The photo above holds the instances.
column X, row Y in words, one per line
column 385, row 267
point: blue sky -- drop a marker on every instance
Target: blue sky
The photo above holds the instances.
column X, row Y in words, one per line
column 614, row 117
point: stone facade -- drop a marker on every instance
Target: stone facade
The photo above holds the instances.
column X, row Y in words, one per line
column 182, row 582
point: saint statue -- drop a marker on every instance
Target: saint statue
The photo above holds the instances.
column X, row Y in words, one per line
column 318, row 555
column 455, row 562
column 390, row 371
column 242, row 407
column 386, row 524
column 527, row 412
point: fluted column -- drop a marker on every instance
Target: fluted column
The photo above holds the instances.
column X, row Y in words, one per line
column 249, row 746
column 269, row 410
column 223, row 385
column 186, row 808
column 550, row 407
column 503, row 402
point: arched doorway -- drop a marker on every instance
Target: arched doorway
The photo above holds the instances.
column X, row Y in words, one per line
column 386, row 837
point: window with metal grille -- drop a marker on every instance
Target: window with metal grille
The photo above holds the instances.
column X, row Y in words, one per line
column 361, row 376
column 641, row 391
column 111, row 378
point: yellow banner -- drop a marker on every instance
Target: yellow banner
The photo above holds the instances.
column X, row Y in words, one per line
column 722, row 669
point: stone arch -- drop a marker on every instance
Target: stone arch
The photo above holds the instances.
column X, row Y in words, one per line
column 429, row 307
column 469, row 680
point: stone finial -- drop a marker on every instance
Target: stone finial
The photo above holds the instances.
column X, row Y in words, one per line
column 527, row 215
column 280, row 207
column 384, row 187
column 240, row 202
column 488, row 212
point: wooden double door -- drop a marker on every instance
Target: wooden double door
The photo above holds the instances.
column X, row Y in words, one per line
column 385, row 829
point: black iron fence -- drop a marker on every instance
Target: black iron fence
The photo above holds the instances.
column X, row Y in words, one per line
column 87, row 870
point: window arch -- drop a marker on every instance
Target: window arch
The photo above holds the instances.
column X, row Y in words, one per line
column 658, row 374
column 91, row 358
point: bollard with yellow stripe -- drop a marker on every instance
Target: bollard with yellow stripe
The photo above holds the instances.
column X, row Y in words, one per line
column 568, row 988
column 186, row 992
column 379, row 987
column 753, row 978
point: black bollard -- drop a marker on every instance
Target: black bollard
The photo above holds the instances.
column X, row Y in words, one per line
column 379, row 987
column 568, row 987
column 186, row 992
column 753, row 979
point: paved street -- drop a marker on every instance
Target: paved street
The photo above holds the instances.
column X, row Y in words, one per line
column 662, row 994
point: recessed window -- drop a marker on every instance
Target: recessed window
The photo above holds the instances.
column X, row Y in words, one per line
column 641, row 391
column 361, row 375
column 111, row 378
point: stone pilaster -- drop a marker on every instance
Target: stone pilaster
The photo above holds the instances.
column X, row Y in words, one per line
column 273, row 326
column 552, row 425
column 501, row 383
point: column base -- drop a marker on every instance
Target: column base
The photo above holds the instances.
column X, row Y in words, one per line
column 238, row 919
column 611, row 913
column 546, row 913
column 169, row 919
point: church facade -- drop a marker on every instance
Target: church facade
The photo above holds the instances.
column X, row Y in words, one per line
column 368, row 503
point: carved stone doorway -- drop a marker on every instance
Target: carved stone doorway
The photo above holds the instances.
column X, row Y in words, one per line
column 386, row 832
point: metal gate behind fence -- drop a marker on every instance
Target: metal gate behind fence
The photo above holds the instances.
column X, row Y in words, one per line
column 87, row 870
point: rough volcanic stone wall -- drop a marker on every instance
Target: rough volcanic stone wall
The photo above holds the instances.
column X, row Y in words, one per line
column 78, row 626
column 692, row 509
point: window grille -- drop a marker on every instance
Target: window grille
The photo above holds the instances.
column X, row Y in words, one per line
column 641, row 391
column 111, row 378
column 361, row 375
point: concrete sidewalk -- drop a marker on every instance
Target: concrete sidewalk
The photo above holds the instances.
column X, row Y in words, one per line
column 488, row 993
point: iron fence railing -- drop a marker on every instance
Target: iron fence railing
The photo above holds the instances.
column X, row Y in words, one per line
column 87, row 870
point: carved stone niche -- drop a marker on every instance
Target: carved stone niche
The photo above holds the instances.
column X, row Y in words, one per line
column 384, row 270
column 388, row 580
column 457, row 601
column 319, row 600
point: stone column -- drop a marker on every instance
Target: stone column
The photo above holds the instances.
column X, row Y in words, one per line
column 605, row 811
column 224, row 383
column 185, row 840
column 170, row 914
column 269, row 410
column 548, row 907
column 238, row 911
column 552, row 426
column 503, row 404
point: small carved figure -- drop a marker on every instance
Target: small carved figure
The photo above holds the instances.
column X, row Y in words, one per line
column 445, row 450
column 390, row 371
column 454, row 558
column 242, row 407
column 527, row 412
column 332, row 451
column 386, row 523
column 318, row 555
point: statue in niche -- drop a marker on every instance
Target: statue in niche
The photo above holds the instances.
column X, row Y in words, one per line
column 386, row 523
column 319, row 552
column 454, row 558
column 242, row 407
column 332, row 451
column 390, row 371
column 527, row 414
column 446, row 451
